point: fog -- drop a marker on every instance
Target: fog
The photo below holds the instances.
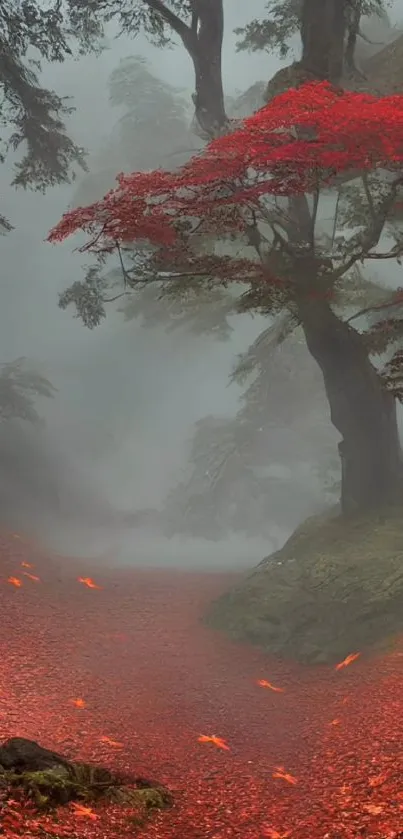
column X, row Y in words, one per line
column 117, row 432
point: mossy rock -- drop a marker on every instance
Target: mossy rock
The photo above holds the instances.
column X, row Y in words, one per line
column 292, row 76
column 382, row 74
column 335, row 587
column 50, row 780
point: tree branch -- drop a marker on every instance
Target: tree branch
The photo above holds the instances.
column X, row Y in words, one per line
column 376, row 308
column 373, row 233
column 393, row 254
column 178, row 25
column 116, row 297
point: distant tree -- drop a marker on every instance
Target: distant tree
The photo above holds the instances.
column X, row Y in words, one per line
column 20, row 386
column 268, row 466
column 156, row 117
column 32, row 116
column 283, row 419
column 153, row 129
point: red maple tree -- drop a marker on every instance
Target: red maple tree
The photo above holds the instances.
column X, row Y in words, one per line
column 261, row 186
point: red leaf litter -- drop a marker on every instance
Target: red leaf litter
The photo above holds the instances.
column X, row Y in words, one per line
column 125, row 674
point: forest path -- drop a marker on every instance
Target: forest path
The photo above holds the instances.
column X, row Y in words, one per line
column 152, row 679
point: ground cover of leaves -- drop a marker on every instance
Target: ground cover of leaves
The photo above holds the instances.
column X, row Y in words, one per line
column 115, row 667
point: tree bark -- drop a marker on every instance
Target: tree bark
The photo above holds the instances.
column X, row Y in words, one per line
column 205, row 50
column 361, row 409
column 202, row 39
column 323, row 31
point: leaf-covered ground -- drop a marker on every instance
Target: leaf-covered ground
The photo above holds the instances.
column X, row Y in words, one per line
column 126, row 675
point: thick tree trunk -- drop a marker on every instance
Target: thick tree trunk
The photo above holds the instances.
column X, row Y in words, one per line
column 323, row 30
column 202, row 38
column 209, row 97
column 363, row 412
column 205, row 49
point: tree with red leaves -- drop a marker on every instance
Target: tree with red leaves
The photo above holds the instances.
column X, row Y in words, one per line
column 261, row 186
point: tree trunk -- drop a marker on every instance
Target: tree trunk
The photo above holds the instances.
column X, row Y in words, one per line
column 323, row 30
column 361, row 409
column 202, row 38
column 209, row 98
column 205, row 49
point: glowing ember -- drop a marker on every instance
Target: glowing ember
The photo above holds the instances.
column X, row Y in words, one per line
column 15, row 581
column 26, row 565
column 285, row 776
column 79, row 703
column 217, row 741
column 335, row 722
column 87, row 581
column 348, row 660
column 263, row 683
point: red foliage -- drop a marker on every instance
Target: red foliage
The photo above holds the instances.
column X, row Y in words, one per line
column 153, row 677
column 299, row 141
column 124, row 214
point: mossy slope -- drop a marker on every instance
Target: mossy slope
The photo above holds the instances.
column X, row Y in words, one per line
column 335, row 587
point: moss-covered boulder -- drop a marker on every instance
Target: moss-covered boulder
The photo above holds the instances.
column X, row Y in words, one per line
column 294, row 75
column 336, row 587
column 49, row 780
column 381, row 73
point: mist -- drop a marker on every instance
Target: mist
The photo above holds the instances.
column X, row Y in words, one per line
column 116, row 435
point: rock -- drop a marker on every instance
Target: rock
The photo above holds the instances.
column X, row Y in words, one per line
column 382, row 73
column 335, row 587
column 21, row 754
column 50, row 780
column 288, row 77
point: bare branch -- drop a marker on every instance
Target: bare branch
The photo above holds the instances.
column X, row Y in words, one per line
column 378, row 307
column 393, row 254
column 178, row 25
column 373, row 233
column 117, row 297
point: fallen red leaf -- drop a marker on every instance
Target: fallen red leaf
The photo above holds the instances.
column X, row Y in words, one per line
column 347, row 661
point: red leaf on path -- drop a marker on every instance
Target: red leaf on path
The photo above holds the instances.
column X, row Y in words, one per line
column 347, row 661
